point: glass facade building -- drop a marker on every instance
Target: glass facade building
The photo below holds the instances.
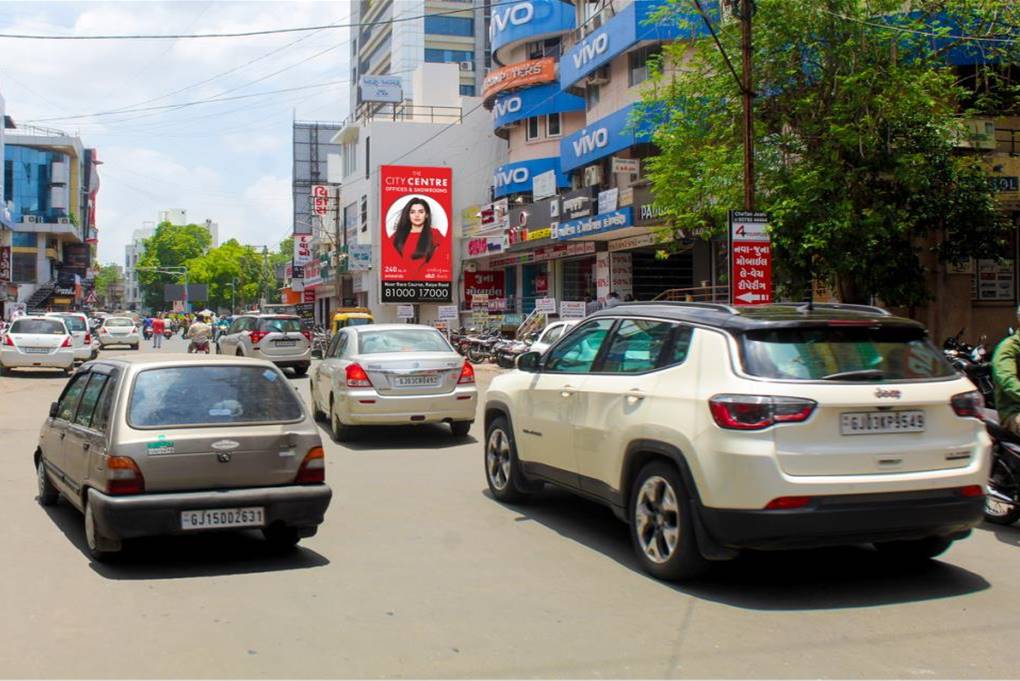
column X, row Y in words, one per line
column 29, row 183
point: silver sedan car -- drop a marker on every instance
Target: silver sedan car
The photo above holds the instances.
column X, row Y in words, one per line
column 393, row 374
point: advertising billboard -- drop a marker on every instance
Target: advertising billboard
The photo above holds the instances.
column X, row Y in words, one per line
column 417, row 234
column 524, row 73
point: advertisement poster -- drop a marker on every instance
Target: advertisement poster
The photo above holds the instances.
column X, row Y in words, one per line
column 302, row 249
column 751, row 259
column 571, row 309
column 483, row 283
column 416, row 239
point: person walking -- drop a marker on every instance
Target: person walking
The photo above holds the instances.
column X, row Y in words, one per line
column 158, row 327
column 1007, row 381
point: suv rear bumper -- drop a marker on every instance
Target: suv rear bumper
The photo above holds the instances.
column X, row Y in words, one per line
column 847, row 519
column 146, row 515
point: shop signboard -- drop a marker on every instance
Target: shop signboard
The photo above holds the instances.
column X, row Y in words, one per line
column 517, row 106
column 625, row 166
column 405, row 311
column 609, row 200
column 495, row 215
column 359, row 258
column 76, row 255
column 621, row 274
column 580, row 203
column 306, row 311
column 543, row 185
column 602, row 277
column 381, row 89
column 627, row 196
column 320, row 199
column 571, row 309
column 471, row 220
column 632, row 242
column 302, row 249
column 750, row 258
column 533, row 221
column 521, row 74
column 481, row 246
column 485, row 283
column 602, row 138
column 593, row 226
column 513, row 259
column 309, row 295
column 514, row 178
column 646, row 212
column 564, row 250
column 995, row 280
column 529, row 19
column 416, row 237
column 313, row 275
column 546, row 305
column 448, row 313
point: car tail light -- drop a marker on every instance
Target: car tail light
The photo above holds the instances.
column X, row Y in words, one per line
column 67, row 342
column 972, row 491
column 307, row 334
column 8, row 341
column 88, row 339
column 968, row 404
column 467, row 374
column 787, row 503
column 755, row 412
column 356, row 377
column 313, row 468
column 256, row 336
column 123, row 476
column 103, row 330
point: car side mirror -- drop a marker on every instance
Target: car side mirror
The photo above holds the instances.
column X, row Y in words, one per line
column 54, row 409
column 529, row 362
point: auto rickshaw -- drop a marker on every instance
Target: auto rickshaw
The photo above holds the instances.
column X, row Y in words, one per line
column 351, row 316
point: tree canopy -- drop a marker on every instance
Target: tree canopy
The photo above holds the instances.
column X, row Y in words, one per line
column 170, row 246
column 109, row 284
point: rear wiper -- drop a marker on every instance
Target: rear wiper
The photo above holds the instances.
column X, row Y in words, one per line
column 859, row 375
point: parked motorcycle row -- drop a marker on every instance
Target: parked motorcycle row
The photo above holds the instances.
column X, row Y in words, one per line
column 489, row 345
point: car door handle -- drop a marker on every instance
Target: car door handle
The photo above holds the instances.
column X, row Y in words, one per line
column 86, row 446
column 568, row 391
column 63, row 435
column 635, row 395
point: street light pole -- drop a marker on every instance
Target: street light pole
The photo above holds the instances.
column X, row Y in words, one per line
column 746, row 9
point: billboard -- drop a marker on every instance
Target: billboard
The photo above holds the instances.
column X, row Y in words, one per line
column 172, row 292
column 523, row 73
column 381, row 89
column 417, row 234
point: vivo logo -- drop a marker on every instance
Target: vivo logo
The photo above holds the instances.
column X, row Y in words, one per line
column 515, row 15
column 590, row 50
column 507, row 106
column 880, row 393
column 511, row 176
column 589, row 142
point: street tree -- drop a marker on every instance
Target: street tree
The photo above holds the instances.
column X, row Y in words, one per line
column 857, row 121
column 233, row 272
column 170, row 246
column 109, row 285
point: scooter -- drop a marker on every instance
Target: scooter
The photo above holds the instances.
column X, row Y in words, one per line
column 196, row 347
column 1002, row 495
column 147, row 333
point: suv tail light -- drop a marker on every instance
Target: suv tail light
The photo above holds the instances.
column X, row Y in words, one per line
column 123, row 476
column 256, row 336
column 356, row 377
column 313, row 468
column 467, row 374
column 8, row 341
column 968, row 404
column 67, row 342
column 307, row 334
column 88, row 338
column 755, row 412
column 787, row 503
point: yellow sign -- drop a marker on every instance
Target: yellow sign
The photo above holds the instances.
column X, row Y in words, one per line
column 536, row 234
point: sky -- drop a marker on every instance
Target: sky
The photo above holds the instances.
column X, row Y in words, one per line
column 228, row 161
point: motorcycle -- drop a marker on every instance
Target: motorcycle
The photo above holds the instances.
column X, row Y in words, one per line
column 1002, row 495
column 147, row 333
column 974, row 362
column 168, row 334
column 196, row 347
column 506, row 355
column 480, row 348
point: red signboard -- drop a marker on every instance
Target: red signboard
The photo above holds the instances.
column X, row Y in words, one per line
column 483, row 283
column 320, row 199
column 309, row 295
column 750, row 259
column 417, row 234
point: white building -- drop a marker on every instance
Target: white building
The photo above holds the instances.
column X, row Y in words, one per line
column 214, row 232
column 175, row 216
column 132, row 254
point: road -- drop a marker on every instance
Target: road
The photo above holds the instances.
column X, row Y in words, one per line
column 418, row 572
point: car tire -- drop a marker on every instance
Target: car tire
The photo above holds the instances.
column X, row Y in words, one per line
column 239, row 353
column 47, row 492
column 281, row 538
column 97, row 545
column 914, row 549
column 218, row 351
column 502, row 470
column 997, row 512
column 460, row 428
column 661, row 525
column 317, row 413
column 300, row 370
column 4, row 371
column 340, row 431
column 134, row 347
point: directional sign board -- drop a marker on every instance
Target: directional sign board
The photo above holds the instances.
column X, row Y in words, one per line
column 750, row 259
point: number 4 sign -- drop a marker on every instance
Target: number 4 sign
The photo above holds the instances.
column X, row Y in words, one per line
column 750, row 259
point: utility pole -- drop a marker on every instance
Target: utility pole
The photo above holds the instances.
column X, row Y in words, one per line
column 747, row 85
column 337, row 279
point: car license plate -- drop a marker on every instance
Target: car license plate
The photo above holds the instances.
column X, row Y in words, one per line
column 422, row 381
column 252, row 516
column 37, row 351
column 877, row 422
column 286, row 343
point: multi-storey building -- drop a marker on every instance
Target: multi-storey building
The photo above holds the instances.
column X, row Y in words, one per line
column 133, row 252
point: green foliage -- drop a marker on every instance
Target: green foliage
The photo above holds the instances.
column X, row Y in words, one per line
column 854, row 134
column 225, row 267
column 108, row 279
column 170, row 246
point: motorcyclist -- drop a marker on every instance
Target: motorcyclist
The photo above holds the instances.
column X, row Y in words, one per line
column 199, row 333
column 1007, row 382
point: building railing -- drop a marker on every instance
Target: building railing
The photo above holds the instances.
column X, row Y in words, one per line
column 1008, row 140
column 37, row 131
column 369, row 112
column 697, row 294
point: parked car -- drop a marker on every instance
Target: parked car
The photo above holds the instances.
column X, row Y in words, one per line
column 86, row 346
column 393, row 374
column 711, row 429
column 551, row 333
column 134, row 446
column 278, row 338
column 119, row 331
column 37, row 341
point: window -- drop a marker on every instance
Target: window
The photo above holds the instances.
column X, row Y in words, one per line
column 118, row 322
column 101, row 419
column 467, row 90
column 532, row 131
column 552, row 125
column 553, row 333
column 442, row 25
column 340, row 346
column 53, row 327
column 577, row 353
column 24, row 239
column 69, row 400
column 89, row 399
column 415, row 340
column 350, row 156
column 280, row 325
column 8, row 180
column 591, row 97
column 23, row 267
column 639, row 63
column 73, row 322
column 636, row 346
column 331, row 349
column 435, row 56
column 681, row 345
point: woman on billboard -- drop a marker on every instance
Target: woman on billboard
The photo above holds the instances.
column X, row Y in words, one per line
column 414, row 236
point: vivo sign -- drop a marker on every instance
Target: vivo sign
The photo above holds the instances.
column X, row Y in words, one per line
column 533, row 101
column 505, row 176
column 504, row 107
column 514, row 15
column 528, row 19
column 589, row 142
column 607, row 136
column 588, row 50
column 513, row 178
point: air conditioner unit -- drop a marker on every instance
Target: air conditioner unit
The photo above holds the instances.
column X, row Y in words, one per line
column 592, row 176
column 467, row 66
column 599, row 76
column 979, row 134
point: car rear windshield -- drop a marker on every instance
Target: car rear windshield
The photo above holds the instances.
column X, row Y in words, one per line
column 280, row 325
column 843, row 354
column 44, row 326
column 74, row 323
column 211, row 395
column 398, row 340
column 119, row 321
column 358, row 321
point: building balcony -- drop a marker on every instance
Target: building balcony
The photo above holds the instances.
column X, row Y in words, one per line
column 517, row 106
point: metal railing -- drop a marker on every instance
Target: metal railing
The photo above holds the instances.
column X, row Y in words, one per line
column 38, row 131
column 697, row 294
column 368, row 112
column 1008, row 140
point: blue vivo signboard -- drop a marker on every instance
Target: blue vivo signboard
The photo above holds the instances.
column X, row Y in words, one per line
column 533, row 101
column 597, row 224
column 529, row 19
column 512, row 178
column 635, row 23
column 601, row 138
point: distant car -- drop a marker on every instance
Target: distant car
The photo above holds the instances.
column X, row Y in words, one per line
column 551, row 333
column 37, row 342
column 86, row 345
column 119, row 331
column 278, row 338
column 167, row 444
column 393, row 374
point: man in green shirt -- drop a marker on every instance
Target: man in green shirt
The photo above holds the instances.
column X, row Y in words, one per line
column 1007, row 382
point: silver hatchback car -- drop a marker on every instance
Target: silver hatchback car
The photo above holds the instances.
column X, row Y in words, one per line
column 277, row 338
column 393, row 374
column 170, row 444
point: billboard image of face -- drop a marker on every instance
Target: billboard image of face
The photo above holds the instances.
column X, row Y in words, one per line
column 417, row 234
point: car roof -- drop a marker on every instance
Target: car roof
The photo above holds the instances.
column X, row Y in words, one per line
column 391, row 327
column 269, row 315
column 149, row 360
column 743, row 318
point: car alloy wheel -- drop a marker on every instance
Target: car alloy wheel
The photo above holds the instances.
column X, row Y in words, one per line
column 497, row 459
column 47, row 492
column 657, row 518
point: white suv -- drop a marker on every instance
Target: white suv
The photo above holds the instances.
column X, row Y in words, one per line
column 710, row 428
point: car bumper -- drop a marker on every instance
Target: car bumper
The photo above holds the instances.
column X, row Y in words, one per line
column 119, row 340
column 847, row 519
column 297, row 359
column 83, row 354
column 15, row 359
column 369, row 408
column 147, row 515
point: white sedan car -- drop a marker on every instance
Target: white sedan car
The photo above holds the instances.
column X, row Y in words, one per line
column 119, row 331
column 37, row 342
column 393, row 374
column 551, row 333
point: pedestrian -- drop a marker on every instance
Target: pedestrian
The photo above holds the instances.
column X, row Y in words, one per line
column 590, row 304
column 613, row 300
column 158, row 326
column 1007, row 382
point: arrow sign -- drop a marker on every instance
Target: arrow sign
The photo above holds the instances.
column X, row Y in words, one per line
column 750, row 259
column 750, row 298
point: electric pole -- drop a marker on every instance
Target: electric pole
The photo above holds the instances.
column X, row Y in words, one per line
column 337, row 279
column 746, row 9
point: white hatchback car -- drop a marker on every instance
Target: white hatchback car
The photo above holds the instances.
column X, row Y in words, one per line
column 37, row 342
column 711, row 429
column 86, row 346
column 119, row 331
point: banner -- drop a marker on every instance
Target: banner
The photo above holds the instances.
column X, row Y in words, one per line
column 488, row 284
column 750, row 258
column 302, row 249
column 417, row 230
column 523, row 73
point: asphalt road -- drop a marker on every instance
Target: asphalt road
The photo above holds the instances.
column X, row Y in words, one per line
column 418, row 572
